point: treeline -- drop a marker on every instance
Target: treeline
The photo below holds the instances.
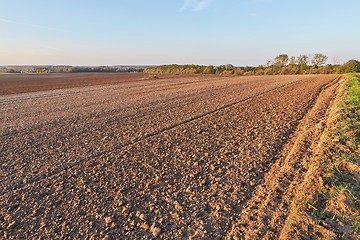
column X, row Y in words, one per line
column 280, row 65
column 54, row 69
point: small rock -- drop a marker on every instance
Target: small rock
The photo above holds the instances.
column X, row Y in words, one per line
column 125, row 211
column 156, row 231
column 175, row 216
column 11, row 225
column 59, row 188
column 120, row 203
column 144, row 226
column 137, row 214
column 236, row 237
column 142, row 217
column 108, row 220
column 106, row 237
column 178, row 206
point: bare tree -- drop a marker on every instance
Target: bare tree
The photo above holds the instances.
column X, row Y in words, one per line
column 319, row 59
column 302, row 60
column 281, row 60
column 292, row 60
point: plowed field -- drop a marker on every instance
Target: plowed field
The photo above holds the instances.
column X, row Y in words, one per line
column 171, row 158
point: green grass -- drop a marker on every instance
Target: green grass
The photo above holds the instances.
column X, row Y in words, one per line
column 353, row 91
column 352, row 109
column 345, row 149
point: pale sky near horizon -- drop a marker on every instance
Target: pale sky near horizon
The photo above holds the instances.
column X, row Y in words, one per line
column 208, row 32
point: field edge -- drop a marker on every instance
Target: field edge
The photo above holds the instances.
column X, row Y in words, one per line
column 326, row 204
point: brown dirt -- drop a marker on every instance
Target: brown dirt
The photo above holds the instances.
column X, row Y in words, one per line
column 22, row 83
column 196, row 157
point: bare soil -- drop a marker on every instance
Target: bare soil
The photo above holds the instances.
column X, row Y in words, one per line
column 200, row 157
column 22, row 83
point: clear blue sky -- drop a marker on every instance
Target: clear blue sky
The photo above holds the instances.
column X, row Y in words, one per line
column 111, row 32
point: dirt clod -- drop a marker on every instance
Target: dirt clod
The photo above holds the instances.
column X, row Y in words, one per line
column 156, row 231
column 12, row 225
column 108, row 220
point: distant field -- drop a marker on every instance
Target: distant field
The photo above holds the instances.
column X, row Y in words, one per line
column 21, row 83
column 106, row 155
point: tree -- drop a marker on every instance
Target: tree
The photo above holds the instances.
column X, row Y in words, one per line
column 209, row 70
column 319, row 59
column 292, row 60
column 351, row 66
column 281, row 60
column 220, row 69
column 302, row 60
column 239, row 71
column 229, row 67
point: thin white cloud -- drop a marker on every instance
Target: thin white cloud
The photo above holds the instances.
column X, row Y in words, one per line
column 22, row 23
column 201, row 5
column 185, row 5
column 195, row 5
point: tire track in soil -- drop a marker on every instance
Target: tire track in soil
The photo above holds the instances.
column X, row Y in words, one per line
column 264, row 214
